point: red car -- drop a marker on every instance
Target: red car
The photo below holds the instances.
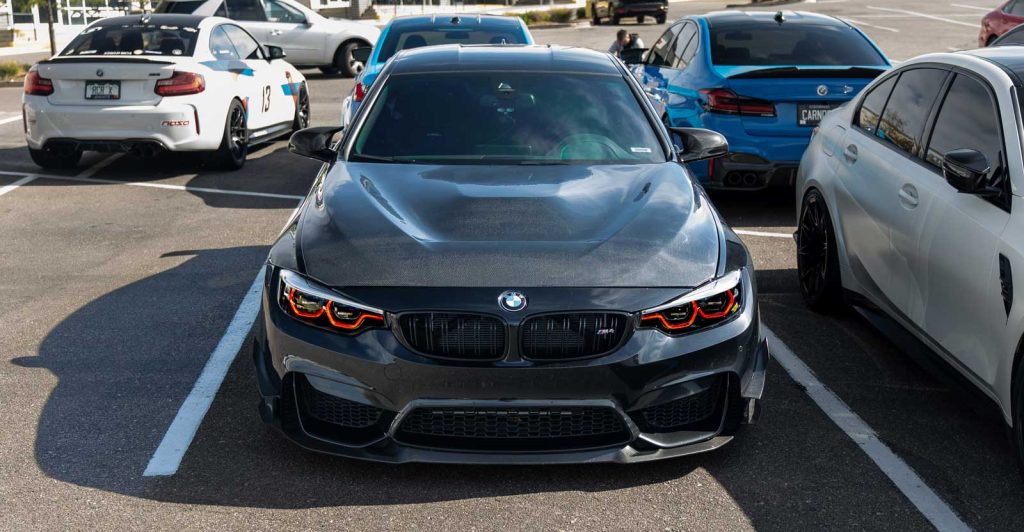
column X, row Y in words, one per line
column 998, row 22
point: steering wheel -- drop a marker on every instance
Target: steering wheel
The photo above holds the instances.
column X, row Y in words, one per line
column 588, row 141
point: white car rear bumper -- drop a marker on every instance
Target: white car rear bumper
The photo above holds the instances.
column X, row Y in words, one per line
column 171, row 125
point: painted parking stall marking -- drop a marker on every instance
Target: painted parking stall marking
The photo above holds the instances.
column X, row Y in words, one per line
column 923, row 15
column 931, row 506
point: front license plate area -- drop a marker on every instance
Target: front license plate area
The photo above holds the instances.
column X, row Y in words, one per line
column 810, row 114
column 102, row 90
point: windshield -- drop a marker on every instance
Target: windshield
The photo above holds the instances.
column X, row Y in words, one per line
column 794, row 44
column 402, row 38
column 507, row 117
column 134, row 39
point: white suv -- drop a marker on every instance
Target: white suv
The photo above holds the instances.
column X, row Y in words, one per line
column 910, row 203
column 307, row 38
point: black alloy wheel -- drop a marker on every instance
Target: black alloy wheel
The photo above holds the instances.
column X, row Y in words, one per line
column 301, row 110
column 234, row 146
column 817, row 256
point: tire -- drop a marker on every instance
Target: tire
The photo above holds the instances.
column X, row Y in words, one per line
column 59, row 159
column 1016, row 432
column 660, row 19
column 301, row 120
column 595, row 17
column 615, row 20
column 234, row 144
column 640, row 19
column 817, row 256
column 329, row 70
column 344, row 64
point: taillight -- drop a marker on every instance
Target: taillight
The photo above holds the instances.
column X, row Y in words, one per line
column 37, row 85
column 727, row 101
column 181, row 84
column 360, row 92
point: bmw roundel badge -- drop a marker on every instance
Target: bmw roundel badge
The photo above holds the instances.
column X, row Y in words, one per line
column 512, row 301
column 99, row 73
column 822, row 90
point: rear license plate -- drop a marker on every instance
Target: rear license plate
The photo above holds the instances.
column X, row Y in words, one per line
column 102, row 90
column 810, row 114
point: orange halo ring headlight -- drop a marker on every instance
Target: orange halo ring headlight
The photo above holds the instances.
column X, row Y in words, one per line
column 706, row 306
column 305, row 301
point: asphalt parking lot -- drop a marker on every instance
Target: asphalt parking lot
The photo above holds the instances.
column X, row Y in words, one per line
column 119, row 280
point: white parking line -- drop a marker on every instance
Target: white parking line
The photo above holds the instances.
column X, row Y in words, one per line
column 968, row 6
column 922, row 15
column 160, row 185
column 9, row 120
column 869, row 25
column 16, row 184
column 179, row 435
column 934, row 509
column 763, row 233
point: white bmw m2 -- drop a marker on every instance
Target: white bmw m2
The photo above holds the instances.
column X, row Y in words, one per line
column 149, row 83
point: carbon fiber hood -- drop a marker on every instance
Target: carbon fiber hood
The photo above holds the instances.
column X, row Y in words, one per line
column 509, row 226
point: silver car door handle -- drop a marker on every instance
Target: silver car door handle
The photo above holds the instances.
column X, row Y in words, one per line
column 276, row 32
column 908, row 196
column 850, row 153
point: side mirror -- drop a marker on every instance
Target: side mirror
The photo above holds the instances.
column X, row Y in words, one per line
column 633, row 56
column 315, row 143
column 274, row 52
column 967, row 171
column 700, row 144
column 362, row 54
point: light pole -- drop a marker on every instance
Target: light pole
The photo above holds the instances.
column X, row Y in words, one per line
column 49, row 23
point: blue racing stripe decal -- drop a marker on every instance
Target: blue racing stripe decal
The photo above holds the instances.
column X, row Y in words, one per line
column 229, row 65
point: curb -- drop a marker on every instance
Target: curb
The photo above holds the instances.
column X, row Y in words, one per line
column 557, row 25
column 4, row 84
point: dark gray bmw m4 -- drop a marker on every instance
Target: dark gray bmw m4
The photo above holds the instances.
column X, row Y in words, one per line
column 503, row 261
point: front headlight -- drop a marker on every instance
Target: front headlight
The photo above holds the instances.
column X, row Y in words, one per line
column 706, row 306
column 316, row 305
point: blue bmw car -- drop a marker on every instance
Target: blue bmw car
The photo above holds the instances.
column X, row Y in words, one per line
column 762, row 79
column 429, row 30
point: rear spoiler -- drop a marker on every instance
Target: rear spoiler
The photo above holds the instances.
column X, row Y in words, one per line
column 811, row 72
column 102, row 58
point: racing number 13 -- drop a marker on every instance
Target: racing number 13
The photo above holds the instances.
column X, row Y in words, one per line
column 266, row 98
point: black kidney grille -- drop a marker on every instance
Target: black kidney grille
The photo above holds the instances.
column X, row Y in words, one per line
column 450, row 335
column 513, row 428
column 562, row 336
column 335, row 410
column 678, row 414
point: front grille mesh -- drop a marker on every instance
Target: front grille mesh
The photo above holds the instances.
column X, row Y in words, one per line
column 678, row 414
column 522, row 428
column 456, row 336
column 335, row 410
column 566, row 336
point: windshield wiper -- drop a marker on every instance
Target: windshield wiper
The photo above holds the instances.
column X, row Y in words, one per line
column 362, row 157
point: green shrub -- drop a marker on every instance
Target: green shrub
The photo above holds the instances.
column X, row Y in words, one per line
column 557, row 16
column 10, row 69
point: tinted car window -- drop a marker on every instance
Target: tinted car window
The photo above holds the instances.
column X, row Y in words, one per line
column 661, row 53
column 246, row 10
column 134, row 39
column 179, row 7
column 969, row 118
column 246, row 46
column 401, row 38
column 902, row 123
column 507, row 118
column 1014, row 37
column 1015, row 8
column 686, row 36
column 874, row 102
column 278, row 12
column 221, row 46
column 792, row 44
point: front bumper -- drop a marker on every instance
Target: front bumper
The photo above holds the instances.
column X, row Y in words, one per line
column 297, row 364
column 168, row 126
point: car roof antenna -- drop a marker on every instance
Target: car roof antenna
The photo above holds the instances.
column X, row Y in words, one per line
column 779, row 17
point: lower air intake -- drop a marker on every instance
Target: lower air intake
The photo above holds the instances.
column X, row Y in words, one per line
column 513, row 428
